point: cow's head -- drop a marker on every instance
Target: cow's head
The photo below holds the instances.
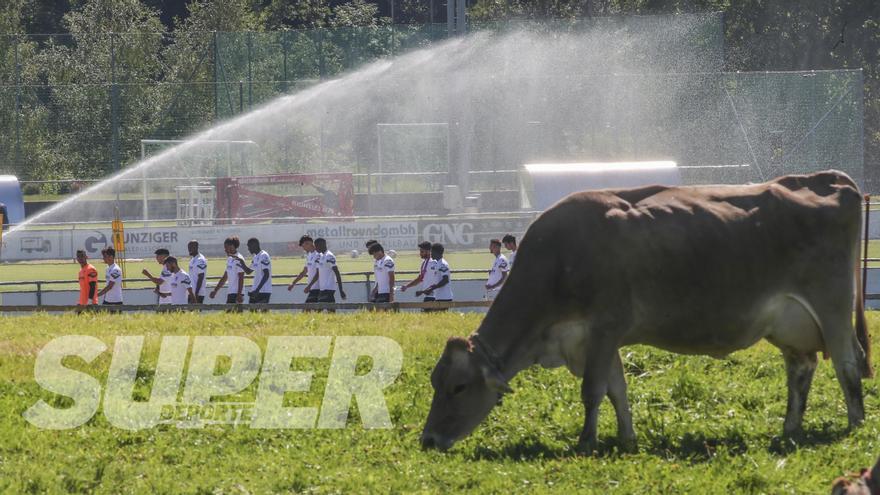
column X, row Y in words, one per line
column 466, row 387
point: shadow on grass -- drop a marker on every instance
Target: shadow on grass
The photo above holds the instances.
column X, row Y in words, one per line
column 808, row 438
column 695, row 447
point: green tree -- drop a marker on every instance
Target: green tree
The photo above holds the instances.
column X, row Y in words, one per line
column 102, row 74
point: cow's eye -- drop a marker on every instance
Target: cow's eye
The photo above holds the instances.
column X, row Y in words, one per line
column 458, row 389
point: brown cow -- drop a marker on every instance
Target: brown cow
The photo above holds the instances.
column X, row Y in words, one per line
column 693, row 270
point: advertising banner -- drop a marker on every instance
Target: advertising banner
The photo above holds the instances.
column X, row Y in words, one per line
column 471, row 233
column 278, row 239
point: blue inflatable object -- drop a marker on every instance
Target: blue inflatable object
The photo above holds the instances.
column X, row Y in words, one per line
column 10, row 196
column 553, row 181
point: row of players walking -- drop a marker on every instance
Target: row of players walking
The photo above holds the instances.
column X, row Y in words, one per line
column 176, row 286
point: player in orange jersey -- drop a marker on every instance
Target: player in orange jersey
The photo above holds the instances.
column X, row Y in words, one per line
column 88, row 280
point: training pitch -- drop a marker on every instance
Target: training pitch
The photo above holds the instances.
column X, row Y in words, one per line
column 704, row 425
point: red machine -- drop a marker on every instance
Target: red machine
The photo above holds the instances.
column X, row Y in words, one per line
column 284, row 195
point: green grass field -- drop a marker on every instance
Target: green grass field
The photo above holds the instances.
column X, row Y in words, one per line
column 704, row 425
column 57, row 270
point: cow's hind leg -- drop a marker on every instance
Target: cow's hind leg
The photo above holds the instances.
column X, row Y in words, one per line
column 617, row 394
column 799, row 367
column 849, row 375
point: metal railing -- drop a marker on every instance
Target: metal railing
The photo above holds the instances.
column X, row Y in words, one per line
column 316, row 307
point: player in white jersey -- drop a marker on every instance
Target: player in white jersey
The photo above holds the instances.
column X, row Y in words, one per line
column 261, row 266
column 198, row 271
column 498, row 272
column 310, row 270
column 328, row 279
column 234, row 274
column 439, row 277
column 163, row 281
column 509, row 242
column 425, row 255
column 383, row 268
column 112, row 290
column 181, row 283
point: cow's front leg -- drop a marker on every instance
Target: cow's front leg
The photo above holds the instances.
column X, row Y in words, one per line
column 617, row 394
column 601, row 355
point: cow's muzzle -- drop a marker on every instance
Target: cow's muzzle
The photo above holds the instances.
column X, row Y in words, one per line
column 433, row 441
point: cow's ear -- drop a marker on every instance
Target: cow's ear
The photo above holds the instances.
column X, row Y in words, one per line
column 495, row 381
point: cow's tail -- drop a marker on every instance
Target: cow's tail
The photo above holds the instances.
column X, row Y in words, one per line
column 862, row 325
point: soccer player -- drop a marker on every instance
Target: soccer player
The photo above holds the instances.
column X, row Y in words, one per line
column 498, row 272
column 383, row 268
column 163, row 281
column 438, row 277
column 234, row 273
column 88, row 280
column 509, row 242
column 198, row 270
column 425, row 255
column 112, row 291
column 181, row 283
column 310, row 270
column 328, row 277
column 261, row 287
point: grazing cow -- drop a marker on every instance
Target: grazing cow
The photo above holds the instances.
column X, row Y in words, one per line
column 693, row 270
column 864, row 483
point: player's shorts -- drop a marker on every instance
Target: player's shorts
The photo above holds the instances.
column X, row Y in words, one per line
column 313, row 296
column 327, row 296
column 231, row 298
column 259, row 297
column 383, row 298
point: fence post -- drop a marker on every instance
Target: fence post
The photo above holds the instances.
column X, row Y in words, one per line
column 367, row 285
column 18, row 166
column 285, row 44
column 114, row 108
column 865, row 250
column 216, row 79
column 250, row 54
column 39, row 294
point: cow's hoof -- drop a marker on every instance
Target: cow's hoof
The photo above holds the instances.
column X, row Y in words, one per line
column 587, row 447
column 628, row 445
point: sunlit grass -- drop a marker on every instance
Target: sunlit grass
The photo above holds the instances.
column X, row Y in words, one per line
column 704, row 425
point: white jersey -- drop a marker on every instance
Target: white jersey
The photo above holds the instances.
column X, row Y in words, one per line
column 423, row 270
column 510, row 260
column 261, row 262
column 499, row 268
column 165, row 286
column 326, row 276
column 234, row 272
column 383, row 268
column 113, row 274
column 437, row 269
column 198, row 265
column 180, row 285
column 312, row 267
